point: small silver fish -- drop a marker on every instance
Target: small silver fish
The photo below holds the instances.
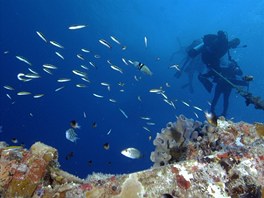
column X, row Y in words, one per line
column 91, row 63
column 32, row 71
column 59, row 55
column 132, row 153
column 112, row 100
column 196, row 115
column 175, row 66
column 117, row 69
column 198, row 108
column 106, row 84
column 150, row 123
column 185, row 103
column 145, row 118
column 76, row 27
column 164, row 96
column 64, row 80
column 23, row 59
column 124, row 61
column 124, row 114
column 38, row 95
column 98, row 96
column 84, row 67
column 109, row 132
column 146, row 42
column 47, row 71
column 156, row 91
column 49, row 66
column 109, row 62
column 9, row 96
column 8, row 87
column 85, row 79
column 58, row 89
column 115, row 40
column 31, row 75
column 146, row 129
column 80, row 56
column 79, row 73
column 23, row 93
column 56, row 44
column 41, row 35
column 85, row 50
column 80, row 85
column 105, row 43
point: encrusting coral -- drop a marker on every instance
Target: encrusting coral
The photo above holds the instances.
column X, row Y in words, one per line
column 187, row 139
column 202, row 161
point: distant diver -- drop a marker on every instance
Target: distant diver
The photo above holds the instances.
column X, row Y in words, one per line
column 212, row 49
column 250, row 99
column 224, row 88
column 191, row 65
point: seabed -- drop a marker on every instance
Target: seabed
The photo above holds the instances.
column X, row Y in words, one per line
column 236, row 169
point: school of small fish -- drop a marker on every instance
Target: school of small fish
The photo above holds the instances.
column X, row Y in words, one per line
column 35, row 72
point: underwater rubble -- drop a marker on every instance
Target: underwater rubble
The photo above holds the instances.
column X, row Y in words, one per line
column 191, row 159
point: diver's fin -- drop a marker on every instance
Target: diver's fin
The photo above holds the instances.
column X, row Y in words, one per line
column 208, row 85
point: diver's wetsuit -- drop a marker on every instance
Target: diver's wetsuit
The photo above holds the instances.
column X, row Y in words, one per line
column 215, row 47
column 222, row 87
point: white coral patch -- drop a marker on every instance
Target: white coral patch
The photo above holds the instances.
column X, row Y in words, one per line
column 216, row 191
column 222, row 124
column 246, row 168
column 185, row 174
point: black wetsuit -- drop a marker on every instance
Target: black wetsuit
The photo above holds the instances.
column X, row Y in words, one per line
column 215, row 47
column 222, row 87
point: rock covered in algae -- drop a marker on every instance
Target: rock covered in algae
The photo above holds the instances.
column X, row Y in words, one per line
column 235, row 169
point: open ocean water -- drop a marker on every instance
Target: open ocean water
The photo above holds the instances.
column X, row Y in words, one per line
column 151, row 32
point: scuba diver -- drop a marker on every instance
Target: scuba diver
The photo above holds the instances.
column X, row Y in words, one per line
column 228, row 74
column 191, row 65
column 212, row 49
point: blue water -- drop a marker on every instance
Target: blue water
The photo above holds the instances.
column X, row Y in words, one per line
column 164, row 23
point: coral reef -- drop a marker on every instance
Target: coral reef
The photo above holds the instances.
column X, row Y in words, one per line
column 171, row 143
column 187, row 139
column 193, row 159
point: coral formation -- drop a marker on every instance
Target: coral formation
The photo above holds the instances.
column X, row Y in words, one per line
column 187, row 139
column 171, row 144
column 222, row 161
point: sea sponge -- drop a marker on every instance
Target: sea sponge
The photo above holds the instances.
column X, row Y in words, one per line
column 171, row 144
column 260, row 129
column 131, row 187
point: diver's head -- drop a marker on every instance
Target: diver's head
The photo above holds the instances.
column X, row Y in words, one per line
column 234, row 43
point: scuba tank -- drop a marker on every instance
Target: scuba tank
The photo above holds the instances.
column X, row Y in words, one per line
column 194, row 50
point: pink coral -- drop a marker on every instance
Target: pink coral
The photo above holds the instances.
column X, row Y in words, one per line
column 86, row 187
